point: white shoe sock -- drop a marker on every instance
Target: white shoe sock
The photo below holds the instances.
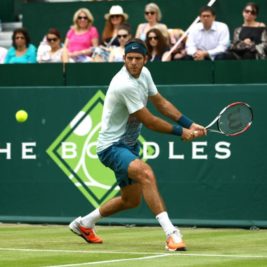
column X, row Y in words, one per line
column 91, row 219
column 166, row 223
column 177, row 237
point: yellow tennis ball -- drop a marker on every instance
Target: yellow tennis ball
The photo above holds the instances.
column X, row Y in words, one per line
column 21, row 116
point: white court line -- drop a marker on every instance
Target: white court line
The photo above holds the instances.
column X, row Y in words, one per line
column 135, row 253
column 111, row 261
column 221, row 255
column 81, row 251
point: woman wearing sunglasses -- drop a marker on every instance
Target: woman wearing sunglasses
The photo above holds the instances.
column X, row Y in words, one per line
column 114, row 19
column 81, row 37
column 22, row 51
column 249, row 40
column 156, row 45
column 153, row 17
column 117, row 52
column 50, row 50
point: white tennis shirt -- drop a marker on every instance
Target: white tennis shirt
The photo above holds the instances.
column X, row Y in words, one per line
column 125, row 96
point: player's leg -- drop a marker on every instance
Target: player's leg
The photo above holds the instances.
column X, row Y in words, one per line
column 118, row 159
column 142, row 173
column 130, row 197
column 135, row 178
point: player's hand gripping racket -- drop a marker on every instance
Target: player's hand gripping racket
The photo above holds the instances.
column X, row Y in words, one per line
column 233, row 120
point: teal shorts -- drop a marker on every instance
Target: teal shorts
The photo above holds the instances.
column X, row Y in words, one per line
column 118, row 157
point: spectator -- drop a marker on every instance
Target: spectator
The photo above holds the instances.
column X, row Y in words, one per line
column 250, row 39
column 208, row 39
column 117, row 52
column 156, row 44
column 179, row 52
column 114, row 19
column 153, row 17
column 22, row 51
column 81, row 37
column 50, row 50
column 3, row 52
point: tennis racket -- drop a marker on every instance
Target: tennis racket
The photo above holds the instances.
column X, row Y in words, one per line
column 233, row 120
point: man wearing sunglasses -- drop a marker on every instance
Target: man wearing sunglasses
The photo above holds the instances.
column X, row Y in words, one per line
column 124, row 114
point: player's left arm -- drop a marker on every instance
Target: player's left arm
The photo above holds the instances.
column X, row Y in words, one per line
column 167, row 109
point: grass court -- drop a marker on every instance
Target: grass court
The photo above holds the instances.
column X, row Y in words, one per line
column 24, row 245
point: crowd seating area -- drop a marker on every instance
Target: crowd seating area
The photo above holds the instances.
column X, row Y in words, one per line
column 161, row 33
column 6, row 33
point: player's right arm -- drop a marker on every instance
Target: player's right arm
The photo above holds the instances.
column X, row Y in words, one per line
column 157, row 124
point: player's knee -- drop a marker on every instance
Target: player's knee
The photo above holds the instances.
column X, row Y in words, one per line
column 135, row 202
column 141, row 173
column 147, row 176
column 132, row 203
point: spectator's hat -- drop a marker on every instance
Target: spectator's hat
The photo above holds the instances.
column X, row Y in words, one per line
column 116, row 10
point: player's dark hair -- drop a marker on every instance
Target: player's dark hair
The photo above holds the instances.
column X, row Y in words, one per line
column 136, row 46
column 137, row 40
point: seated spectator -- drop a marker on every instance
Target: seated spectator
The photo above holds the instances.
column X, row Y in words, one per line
column 117, row 52
column 3, row 52
column 50, row 49
column 114, row 19
column 153, row 17
column 81, row 37
column 156, row 44
column 208, row 39
column 22, row 51
column 250, row 39
column 164, row 31
column 179, row 52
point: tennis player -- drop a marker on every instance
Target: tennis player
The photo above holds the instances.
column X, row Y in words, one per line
column 123, row 115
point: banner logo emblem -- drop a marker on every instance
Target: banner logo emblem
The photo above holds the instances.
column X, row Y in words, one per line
column 74, row 151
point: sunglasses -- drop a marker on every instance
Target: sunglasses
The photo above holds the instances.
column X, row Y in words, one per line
column 252, row 12
column 51, row 39
column 20, row 37
column 122, row 36
column 150, row 12
column 153, row 37
column 115, row 16
column 82, row 17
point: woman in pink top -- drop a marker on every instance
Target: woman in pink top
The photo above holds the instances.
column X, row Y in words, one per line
column 81, row 38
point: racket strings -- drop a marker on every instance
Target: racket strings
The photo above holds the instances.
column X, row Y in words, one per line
column 235, row 119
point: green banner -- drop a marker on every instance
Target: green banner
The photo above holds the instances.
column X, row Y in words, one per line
column 50, row 171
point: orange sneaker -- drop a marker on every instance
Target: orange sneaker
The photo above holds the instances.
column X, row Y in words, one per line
column 175, row 243
column 88, row 234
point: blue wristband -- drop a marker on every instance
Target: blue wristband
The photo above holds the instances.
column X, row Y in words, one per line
column 177, row 130
column 185, row 122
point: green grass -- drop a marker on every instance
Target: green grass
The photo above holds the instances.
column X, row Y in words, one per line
column 36, row 246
